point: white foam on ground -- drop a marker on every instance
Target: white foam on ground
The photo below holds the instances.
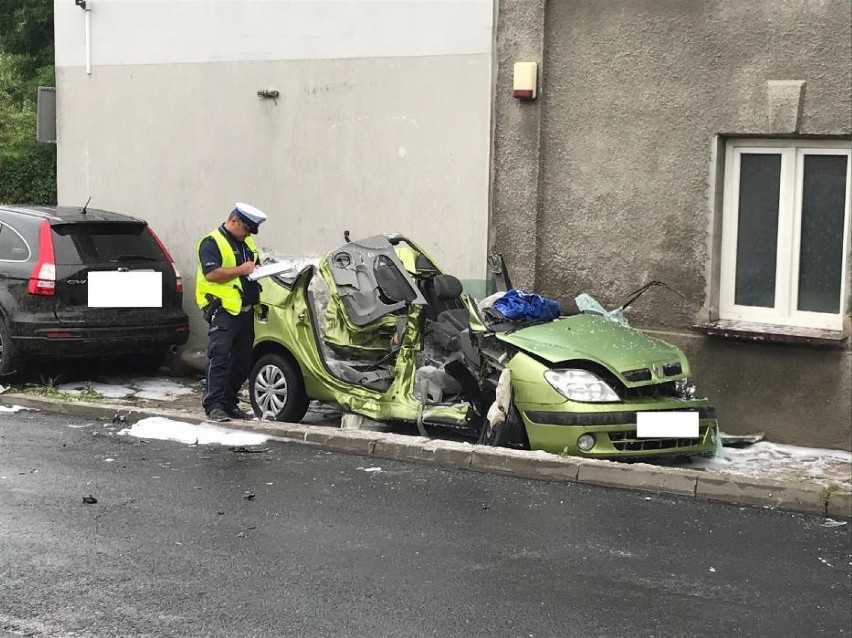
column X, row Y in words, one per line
column 159, row 389
column 775, row 459
column 205, row 434
column 13, row 408
column 146, row 388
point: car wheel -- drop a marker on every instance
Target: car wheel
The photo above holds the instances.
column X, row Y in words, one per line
column 7, row 354
column 510, row 433
column 276, row 389
column 497, row 435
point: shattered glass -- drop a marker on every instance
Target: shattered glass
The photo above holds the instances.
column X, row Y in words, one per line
column 590, row 306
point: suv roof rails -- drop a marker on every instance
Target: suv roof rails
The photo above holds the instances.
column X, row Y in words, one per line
column 43, row 212
column 70, row 214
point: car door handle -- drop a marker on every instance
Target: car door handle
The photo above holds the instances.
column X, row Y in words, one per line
column 302, row 315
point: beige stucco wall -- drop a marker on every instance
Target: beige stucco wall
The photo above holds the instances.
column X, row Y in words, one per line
column 382, row 123
column 613, row 173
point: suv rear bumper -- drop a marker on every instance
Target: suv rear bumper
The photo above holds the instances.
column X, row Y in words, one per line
column 59, row 341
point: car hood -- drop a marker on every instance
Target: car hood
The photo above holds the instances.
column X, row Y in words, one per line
column 587, row 337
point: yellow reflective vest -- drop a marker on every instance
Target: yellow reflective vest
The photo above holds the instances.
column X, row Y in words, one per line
column 230, row 292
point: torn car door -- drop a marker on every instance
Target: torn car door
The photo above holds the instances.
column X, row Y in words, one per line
column 371, row 281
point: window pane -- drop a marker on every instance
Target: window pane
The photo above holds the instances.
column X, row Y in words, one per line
column 12, row 247
column 104, row 243
column 757, row 229
column 821, row 256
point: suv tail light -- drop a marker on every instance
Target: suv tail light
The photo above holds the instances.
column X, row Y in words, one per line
column 178, row 278
column 43, row 278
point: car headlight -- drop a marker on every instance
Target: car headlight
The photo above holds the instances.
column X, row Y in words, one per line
column 580, row 385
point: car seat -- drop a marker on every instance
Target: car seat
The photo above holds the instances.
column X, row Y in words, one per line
column 445, row 316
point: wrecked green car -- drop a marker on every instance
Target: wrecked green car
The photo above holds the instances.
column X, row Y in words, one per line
column 379, row 330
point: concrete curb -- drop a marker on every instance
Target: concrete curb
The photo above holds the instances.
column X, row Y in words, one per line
column 800, row 497
column 706, row 485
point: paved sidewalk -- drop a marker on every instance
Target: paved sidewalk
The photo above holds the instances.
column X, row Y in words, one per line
column 764, row 474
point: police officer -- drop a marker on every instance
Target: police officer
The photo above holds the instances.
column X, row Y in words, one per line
column 226, row 256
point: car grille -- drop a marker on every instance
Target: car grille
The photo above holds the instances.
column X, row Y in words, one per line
column 640, row 374
column 671, row 369
column 653, row 391
column 628, row 442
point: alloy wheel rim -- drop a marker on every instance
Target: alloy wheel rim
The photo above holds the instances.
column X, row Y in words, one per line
column 270, row 390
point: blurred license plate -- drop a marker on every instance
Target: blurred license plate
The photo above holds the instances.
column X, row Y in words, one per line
column 667, row 425
column 117, row 289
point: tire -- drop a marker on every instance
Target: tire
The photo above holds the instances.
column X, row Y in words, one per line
column 497, row 436
column 276, row 389
column 7, row 352
column 509, row 433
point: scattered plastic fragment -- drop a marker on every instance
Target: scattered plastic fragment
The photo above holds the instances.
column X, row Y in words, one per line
column 241, row 449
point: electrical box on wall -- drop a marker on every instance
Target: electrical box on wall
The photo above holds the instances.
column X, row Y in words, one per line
column 526, row 74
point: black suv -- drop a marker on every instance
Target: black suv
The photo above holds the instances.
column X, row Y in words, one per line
column 46, row 255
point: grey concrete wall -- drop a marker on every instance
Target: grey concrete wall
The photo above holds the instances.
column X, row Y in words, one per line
column 634, row 93
column 381, row 125
column 179, row 144
column 515, row 144
column 795, row 394
column 636, row 99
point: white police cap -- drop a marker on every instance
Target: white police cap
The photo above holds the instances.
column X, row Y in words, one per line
column 251, row 216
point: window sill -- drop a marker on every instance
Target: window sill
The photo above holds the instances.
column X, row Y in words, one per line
column 768, row 333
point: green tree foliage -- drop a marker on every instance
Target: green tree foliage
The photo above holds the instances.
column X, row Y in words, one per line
column 27, row 167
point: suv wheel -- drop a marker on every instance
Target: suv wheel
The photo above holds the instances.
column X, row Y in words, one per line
column 276, row 389
column 7, row 355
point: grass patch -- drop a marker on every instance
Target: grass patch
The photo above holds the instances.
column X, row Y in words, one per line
column 49, row 389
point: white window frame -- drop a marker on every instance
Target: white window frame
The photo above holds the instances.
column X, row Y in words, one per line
column 785, row 313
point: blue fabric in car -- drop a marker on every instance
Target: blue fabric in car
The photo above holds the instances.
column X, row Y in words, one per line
column 518, row 305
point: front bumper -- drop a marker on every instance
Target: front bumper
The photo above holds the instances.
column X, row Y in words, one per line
column 615, row 434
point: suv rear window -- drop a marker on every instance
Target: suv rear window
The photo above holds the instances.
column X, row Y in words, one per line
column 103, row 243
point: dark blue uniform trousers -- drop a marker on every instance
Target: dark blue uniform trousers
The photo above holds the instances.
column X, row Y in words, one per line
column 229, row 357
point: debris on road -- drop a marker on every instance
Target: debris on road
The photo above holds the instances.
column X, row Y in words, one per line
column 90, row 500
column 249, row 496
column 242, row 449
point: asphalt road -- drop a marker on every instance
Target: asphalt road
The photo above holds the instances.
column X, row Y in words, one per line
column 325, row 548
